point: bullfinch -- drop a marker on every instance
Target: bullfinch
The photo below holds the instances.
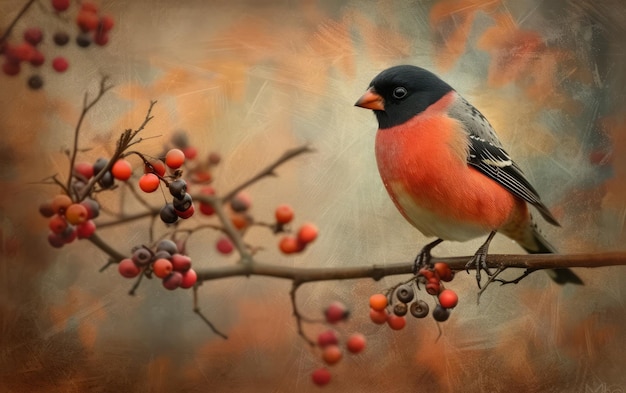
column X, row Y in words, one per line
column 446, row 171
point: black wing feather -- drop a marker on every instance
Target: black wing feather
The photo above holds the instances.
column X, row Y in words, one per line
column 495, row 163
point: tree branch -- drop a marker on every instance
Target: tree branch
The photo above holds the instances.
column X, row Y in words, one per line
column 19, row 15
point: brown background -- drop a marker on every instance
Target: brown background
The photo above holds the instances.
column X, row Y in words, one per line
column 250, row 79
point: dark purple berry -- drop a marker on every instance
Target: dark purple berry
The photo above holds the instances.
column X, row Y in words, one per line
column 142, row 256
column 419, row 309
column 61, row 38
column 400, row 309
column 178, row 188
column 167, row 245
column 35, row 82
column 168, row 214
column 83, row 40
column 405, row 293
column 440, row 314
column 182, row 204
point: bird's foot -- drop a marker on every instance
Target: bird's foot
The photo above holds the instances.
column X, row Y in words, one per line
column 518, row 279
column 423, row 257
column 479, row 261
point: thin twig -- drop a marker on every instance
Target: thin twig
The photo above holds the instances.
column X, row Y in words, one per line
column 299, row 318
column 87, row 105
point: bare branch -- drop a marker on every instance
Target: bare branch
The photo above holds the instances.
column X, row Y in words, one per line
column 19, row 15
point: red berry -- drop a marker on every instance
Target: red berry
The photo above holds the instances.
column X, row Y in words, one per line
column 448, row 298
column 21, row 52
column 321, row 376
column 433, row 287
column 426, row 273
column 332, row 354
column 157, row 166
column 378, row 316
column 86, row 229
column 56, row 240
column 122, row 170
column 190, row 152
column 214, row 158
column 326, row 338
column 149, row 182
column 443, row 271
column 11, row 68
column 395, row 322
column 60, row 64
column 224, row 245
column 180, row 262
column 174, row 158
column 128, row 269
column 76, row 214
column 106, row 23
column 101, row 38
column 284, row 214
column 37, row 59
column 162, row 268
column 57, row 224
column 289, row 245
column 85, row 169
column 356, row 343
column 69, row 235
column 378, row 302
column 60, row 5
column 173, row 281
column 189, row 279
column 240, row 221
column 33, row 35
column 87, row 21
column 307, row 233
column 336, row 312
column 186, row 213
column 206, row 208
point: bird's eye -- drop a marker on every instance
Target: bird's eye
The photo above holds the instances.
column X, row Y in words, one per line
column 399, row 92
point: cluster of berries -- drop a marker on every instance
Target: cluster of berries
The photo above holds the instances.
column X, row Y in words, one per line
column 155, row 172
column 405, row 301
column 92, row 26
column 165, row 262
column 69, row 220
column 329, row 342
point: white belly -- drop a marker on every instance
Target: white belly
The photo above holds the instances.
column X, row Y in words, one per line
column 432, row 224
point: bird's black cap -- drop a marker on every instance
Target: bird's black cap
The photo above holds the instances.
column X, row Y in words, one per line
column 406, row 91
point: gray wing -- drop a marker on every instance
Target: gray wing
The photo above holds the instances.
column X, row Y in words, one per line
column 487, row 156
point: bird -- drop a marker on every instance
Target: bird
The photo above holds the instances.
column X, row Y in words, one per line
column 447, row 172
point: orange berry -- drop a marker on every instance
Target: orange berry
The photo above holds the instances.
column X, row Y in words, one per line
column 87, row 21
column 356, row 343
column 378, row 316
column 443, row 271
column 284, row 214
column 149, row 182
column 378, row 302
column 76, row 214
column 448, row 298
column 240, row 221
column 395, row 322
column 174, row 158
column 307, row 233
column 60, row 203
column 332, row 354
column 289, row 245
column 162, row 267
column 122, row 170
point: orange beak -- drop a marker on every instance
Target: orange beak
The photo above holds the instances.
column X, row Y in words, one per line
column 371, row 100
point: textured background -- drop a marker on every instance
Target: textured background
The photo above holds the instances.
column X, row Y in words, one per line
column 250, row 79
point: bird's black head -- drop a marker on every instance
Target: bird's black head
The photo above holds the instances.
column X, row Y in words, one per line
column 399, row 93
